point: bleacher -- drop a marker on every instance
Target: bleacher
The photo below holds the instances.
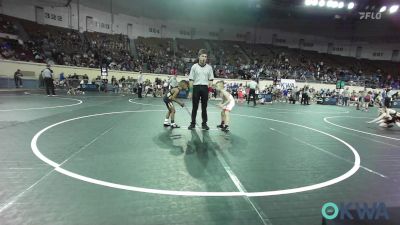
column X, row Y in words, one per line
column 156, row 54
column 7, row 26
column 56, row 45
column 188, row 48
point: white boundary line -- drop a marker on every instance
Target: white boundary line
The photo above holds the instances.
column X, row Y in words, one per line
column 131, row 101
column 299, row 111
column 328, row 152
column 15, row 198
column 58, row 168
column 241, row 188
column 363, row 137
column 48, row 107
column 353, row 170
column 287, row 110
column 138, row 103
column 183, row 127
column 347, row 128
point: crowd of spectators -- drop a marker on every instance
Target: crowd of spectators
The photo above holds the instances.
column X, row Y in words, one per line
column 238, row 60
column 157, row 56
column 7, row 26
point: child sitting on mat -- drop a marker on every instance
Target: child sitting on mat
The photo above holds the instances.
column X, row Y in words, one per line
column 169, row 98
column 227, row 105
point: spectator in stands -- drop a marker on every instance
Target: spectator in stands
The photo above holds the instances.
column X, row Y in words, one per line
column 173, row 82
column 346, row 96
column 367, row 100
column 48, row 80
column 113, row 80
column 86, row 78
column 122, row 81
column 104, row 84
column 62, row 77
column 18, row 78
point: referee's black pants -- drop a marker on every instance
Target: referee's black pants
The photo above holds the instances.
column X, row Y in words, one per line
column 49, row 85
column 387, row 102
column 139, row 90
column 252, row 92
column 18, row 81
column 200, row 93
column 304, row 99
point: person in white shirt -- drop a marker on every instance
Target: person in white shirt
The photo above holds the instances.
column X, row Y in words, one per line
column 252, row 92
column 173, row 82
column 346, row 96
column 200, row 78
column 48, row 80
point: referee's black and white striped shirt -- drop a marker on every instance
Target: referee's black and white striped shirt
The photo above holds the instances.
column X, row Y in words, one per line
column 47, row 73
column 140, row 79
column 252, row 85
column 201, row 75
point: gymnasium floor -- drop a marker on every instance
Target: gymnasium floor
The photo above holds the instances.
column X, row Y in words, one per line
column 102, row 159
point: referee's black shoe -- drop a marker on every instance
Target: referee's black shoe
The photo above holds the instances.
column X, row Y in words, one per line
column 204, row 126
column 192, row 126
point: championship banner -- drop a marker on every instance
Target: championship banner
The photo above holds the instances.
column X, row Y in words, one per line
column 340, row 84
column 104, row 72
column 287, row 84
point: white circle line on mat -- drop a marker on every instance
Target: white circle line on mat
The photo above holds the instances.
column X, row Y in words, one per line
column 47, row 107
column 58, row 168
column 307, row 111
column 266, row 107
column 139, row 103
column 359, row 131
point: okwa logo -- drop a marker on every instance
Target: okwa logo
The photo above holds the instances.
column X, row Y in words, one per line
column 355, row 211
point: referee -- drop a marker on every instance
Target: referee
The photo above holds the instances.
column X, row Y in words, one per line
column 200, row 77
column 252, row 92
column 140, row 85
column 48, row 80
